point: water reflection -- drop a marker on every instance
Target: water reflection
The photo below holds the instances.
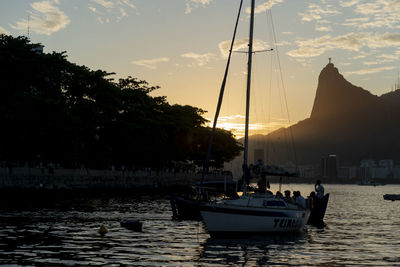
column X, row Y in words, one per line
column 250, row 250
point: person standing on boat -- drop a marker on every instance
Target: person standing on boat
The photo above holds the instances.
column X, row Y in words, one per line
column 319, row 189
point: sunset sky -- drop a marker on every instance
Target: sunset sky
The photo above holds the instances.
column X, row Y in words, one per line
column 180, row 45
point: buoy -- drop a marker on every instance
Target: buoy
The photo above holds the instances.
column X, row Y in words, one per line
column 102, row 230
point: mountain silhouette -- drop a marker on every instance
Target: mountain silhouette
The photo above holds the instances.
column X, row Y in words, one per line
column 346, row 120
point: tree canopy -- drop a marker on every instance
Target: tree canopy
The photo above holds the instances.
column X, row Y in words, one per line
column 53, row 110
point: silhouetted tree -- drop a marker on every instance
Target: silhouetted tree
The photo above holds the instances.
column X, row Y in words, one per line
column 52, row 110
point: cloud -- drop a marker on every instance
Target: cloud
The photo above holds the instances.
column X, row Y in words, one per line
column 104, row 3
column 127, row 3
column 94, row 10
column 241, row 45
column 192, row 4
column 353, row 41
column 376, row 62
column 3, row 31
column 123, row 12
column 378, row 14
column 201, row 59
column 323, row 28
column 316, row 12
column 150, row 63
column 117, row 9
column 390, row 56
column 265, row 6
column 46, row 18
column 355, row 22
column 349, row 3
column 369, row 71
column 361, row 54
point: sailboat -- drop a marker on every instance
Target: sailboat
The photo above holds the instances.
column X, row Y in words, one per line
column 250, row 213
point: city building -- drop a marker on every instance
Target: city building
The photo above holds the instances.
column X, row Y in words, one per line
column 329, row 166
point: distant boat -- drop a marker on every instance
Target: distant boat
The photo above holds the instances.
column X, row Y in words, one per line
column 392, row 197
column 250, row 213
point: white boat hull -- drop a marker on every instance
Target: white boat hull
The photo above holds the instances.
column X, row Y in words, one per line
column 220, row 218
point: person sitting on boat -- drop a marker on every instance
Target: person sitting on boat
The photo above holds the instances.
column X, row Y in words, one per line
column 319, row 189
column 288, row 198
column 299, row 199
column 279, row 194
column 262, row 185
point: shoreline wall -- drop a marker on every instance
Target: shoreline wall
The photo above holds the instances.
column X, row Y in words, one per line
column 37, row 178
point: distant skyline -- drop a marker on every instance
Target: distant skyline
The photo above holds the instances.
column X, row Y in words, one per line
column 181, row 45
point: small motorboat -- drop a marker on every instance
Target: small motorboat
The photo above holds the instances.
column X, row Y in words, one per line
column 318, row 210
column 391, row 197
column 187, row 206
column 134, row 225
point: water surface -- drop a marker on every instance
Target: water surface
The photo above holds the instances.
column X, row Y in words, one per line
column 362, row 229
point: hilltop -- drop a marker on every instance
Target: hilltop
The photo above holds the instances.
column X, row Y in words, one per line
column 346, row 120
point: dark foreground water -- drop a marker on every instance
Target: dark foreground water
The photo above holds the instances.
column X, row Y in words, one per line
column 362, row 229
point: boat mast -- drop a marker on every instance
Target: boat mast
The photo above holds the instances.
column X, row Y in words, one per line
column 250, row 60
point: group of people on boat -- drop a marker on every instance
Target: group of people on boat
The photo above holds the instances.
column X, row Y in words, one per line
column 296, row 198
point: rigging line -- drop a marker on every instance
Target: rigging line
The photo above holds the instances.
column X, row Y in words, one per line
column 283, row 85
column 268, row 145
column 221, row 96
column 267, row 118
column 274, row 66
column 285, row 155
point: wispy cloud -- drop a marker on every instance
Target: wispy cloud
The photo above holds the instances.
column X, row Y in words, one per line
column 369, row 71
column 46, row 18
column 378, row 61
column 94, row 10
column 127, row 3
column 317, row 12
column 355, row 22
column 150, row 63
column 390, row 56
column 3, row 31
column 323, row 28
column 352, row 41
column 241, row 45
column 106, row 9
column 265, row 6
column 376, row 14
column 200, row 59
column 104, row 3
column 192, row 4
column 349, row 3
